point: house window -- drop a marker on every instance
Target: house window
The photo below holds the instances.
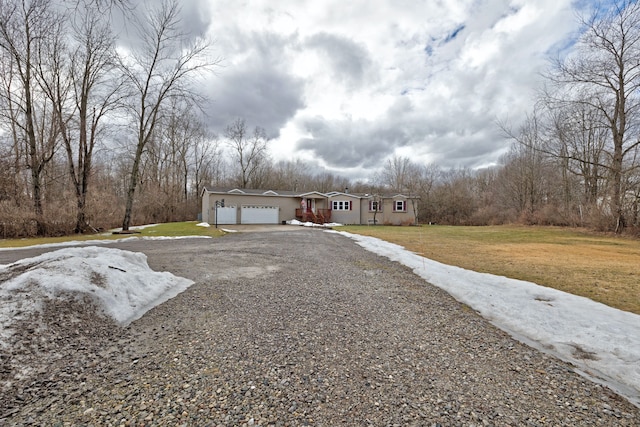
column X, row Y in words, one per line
column 341, row 205
column 400, row 206
column 375, row 205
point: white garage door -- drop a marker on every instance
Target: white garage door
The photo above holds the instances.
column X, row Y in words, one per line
column 251, row 214
column 227, row 215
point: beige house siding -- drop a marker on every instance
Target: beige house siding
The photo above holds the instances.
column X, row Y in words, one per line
column 288, row 202
column 404, row 217
column 287, row 205
column 387, row 215
column 347, row 217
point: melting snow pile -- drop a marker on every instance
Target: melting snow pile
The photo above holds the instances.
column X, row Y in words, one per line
column 119, row 282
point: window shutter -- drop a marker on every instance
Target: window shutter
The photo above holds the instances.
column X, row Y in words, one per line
column 350, row 205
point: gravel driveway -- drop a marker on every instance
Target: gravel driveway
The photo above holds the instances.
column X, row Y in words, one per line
column 296, row 327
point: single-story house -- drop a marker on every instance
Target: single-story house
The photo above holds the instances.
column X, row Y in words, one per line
column 248, row 206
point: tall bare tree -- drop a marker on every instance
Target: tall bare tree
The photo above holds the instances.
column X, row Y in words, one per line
column 205, row 161
column 83, row 93
column 10, row 118
column 158, row 69
column 581, row 143
column 249, row 151
column 26, row 31
column 395, row 174
column 605, row 73
column 525, row 170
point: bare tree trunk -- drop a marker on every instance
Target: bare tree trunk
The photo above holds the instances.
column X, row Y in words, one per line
column 156, row 73
column 131, row 189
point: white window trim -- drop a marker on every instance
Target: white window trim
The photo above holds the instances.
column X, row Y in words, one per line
column 395, row 205
column 341, row 205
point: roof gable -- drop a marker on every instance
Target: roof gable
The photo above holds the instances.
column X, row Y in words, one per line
column 313, row 193
column 339, row 194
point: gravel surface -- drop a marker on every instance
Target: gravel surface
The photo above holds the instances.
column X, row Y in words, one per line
column 291, row 328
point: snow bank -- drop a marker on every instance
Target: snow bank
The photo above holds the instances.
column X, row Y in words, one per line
column 603, row 342
column 120, row 282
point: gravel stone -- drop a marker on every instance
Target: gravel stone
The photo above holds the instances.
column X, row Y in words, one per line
column 289, row 328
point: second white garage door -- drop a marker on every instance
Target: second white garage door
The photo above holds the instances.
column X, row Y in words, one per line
column 251, row 214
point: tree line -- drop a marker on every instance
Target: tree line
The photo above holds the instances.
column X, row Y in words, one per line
column 96, row 133
column 82, row 113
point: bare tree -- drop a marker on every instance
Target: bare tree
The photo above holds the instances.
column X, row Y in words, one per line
column 395, row 173
column 26, row 31
column 159, row 69
column 402, row 175
column 327, row 181
column 581, row 142
column 421, row 181
column 83, row 93
column 249, row 151
column 17, row 182
column 174, row 161
column 453, row 199
column 524, row 169
column 205, row 160
column 605, row 73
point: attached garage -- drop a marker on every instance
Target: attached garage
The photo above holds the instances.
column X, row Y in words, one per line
column 227, row 215
column 252, row 214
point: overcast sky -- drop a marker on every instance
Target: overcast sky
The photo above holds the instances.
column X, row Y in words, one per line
column 347, row 84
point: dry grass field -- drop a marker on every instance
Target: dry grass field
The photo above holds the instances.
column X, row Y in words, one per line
column 603, row 268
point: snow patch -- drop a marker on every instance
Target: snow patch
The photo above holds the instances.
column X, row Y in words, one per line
column 312, row 224
column 120, row 282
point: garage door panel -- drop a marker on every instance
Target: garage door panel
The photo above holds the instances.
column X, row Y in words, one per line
column 227, row 215
column 251, row 214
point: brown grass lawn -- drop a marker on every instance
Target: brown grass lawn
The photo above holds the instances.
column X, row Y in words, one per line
column 603, row 268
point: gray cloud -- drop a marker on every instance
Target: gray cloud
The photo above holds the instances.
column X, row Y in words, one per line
column 350, row 143
column 265, row 98
column 259, row 88
column 194, row 19
column 451, row 135
column 349, row 61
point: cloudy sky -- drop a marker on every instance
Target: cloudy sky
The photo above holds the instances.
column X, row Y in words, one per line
column 347, row 84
